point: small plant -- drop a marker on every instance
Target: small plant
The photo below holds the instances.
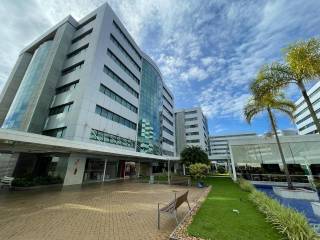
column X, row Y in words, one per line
column 198, row 170
column 287, row 221
column 246, row 185
column 221, row 169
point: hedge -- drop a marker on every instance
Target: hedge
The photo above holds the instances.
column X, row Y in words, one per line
column 292, row 224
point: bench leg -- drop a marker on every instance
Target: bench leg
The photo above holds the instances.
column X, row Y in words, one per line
column 158, row 216
column 189, row 206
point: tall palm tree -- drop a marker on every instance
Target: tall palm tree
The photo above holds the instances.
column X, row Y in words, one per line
column 270, row 102
column 302, row 66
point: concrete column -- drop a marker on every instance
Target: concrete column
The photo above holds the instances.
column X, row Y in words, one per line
column 104, row 169
column 151, row 174
column 138, row 166
column 75, row 169
column 233, row 166
column 150, row 169
column 169, row 171
column 175, row 167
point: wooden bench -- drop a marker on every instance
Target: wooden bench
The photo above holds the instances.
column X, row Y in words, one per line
column 171, row 207
column 180, row 180
column 6, row 181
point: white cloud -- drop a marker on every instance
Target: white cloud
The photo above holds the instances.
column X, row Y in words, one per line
column 194, row 73
column 207, row 60
column 207, row 51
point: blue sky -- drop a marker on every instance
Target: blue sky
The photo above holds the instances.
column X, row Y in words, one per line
column 208, row 51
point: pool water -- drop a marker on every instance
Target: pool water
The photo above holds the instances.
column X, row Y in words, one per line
column 302, row 206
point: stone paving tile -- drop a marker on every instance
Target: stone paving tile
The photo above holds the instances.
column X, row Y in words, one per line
column 123, row 210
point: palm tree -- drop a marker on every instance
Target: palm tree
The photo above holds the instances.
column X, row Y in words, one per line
column 270, row 102
column 302, row 66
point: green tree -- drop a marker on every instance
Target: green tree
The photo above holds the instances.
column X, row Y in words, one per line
column 194, row 154
column 302, row 66
column 270, row 102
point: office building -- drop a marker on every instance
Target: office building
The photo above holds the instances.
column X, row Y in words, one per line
column 191, row 129
column 302, row 117
column 282, row 132
column 219, row 150
column 88, row 81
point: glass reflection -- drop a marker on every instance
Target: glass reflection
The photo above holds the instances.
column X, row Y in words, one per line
column 26, row 94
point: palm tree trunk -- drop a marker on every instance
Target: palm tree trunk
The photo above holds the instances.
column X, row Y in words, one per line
column 309, row 104
column 285, row 167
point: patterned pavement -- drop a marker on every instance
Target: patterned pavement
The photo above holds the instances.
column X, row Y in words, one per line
column 123, row 210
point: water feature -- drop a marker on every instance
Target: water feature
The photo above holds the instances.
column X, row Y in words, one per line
column 302, row 206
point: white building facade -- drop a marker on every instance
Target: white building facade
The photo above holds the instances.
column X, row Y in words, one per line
column 191, row 129
column 219, row 149
column 88, row 81
column 302, row 115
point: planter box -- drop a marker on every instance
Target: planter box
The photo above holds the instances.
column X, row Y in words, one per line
column 38, row 187
column 298, row 193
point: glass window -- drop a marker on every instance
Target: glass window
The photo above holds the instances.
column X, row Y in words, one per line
column 86, row 22
column 115, row 77
column 72, row 68
column 29, row 86
column 126, row 39
column 60, row 109
column 57, row 132
column 122, row 66
column 83, row 35
column 117, row 98
column 125, row 53
column 114, row 117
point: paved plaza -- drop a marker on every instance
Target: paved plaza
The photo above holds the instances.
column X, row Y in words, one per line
column 123, row 210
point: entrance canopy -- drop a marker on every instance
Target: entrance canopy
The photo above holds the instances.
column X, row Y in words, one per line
column 12, row 141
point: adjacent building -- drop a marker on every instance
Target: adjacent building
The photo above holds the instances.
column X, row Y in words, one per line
column 219, row 149
column 282, row 132
column 191, row 129
column 302, row 115
column 88, row 81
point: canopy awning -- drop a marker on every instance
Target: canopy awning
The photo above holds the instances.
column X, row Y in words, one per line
column 12, row 141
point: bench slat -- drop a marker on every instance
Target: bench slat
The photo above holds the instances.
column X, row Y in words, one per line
column 172, row 206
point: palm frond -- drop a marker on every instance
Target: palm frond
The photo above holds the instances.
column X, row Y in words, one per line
column 281, row 104
column 251, row 109
column 303, row 58
column 271, row 79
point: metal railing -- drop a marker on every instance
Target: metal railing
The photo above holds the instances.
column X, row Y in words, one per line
column 274, row 177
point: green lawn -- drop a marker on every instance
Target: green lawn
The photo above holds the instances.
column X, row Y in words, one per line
column 215, row 219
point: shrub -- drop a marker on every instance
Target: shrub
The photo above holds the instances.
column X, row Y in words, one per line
column 246, row 185
column 221, row 169
column 22, row 182
column 29, row 182
column 287, row 221
column 198, row 170
column 47, row 180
